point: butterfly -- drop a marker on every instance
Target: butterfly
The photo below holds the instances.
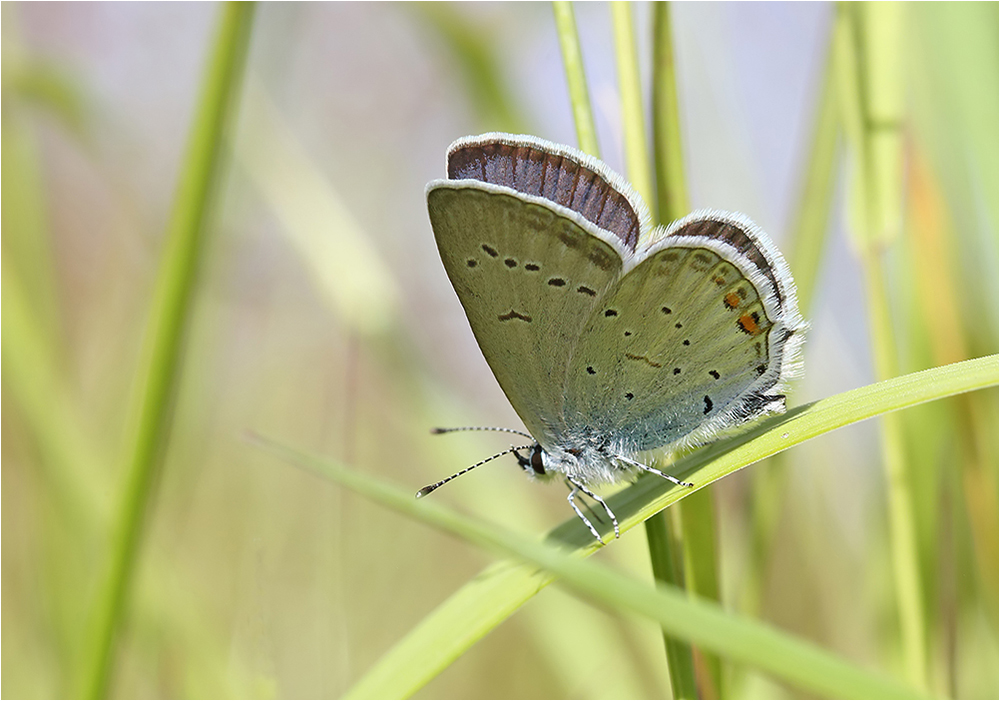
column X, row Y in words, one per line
column 609, row 337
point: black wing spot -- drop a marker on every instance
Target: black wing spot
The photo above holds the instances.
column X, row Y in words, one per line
column 714, row 374
column 591, row 370
column 557, row 282
column 490, row 251
column 628, row 333
column 643, row 359
column 586, row 290
column 511, row 315
column 629, row 396
column 472, row 262
column 678, row 325
column 687, row 342
column 677, row 371
column 510, row 263
column 708, row 404
column 666, row 310
column 610, row 312
column 530, row 266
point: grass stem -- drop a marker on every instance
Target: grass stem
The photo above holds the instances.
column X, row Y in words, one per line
column 150, row 410
column 576, row 78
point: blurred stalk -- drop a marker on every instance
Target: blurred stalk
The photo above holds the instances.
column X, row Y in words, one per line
column 671, row 189
column 691, row 523
column 812, row 220
column 150, row 409
column 576, row 79
column 67, row 462
column 808, row 240
column 26, row 239
column 664, row 557
column 940, row 301
column 870, row 90
column 637, row 165
column 32, row 375
column 336, row 250
column 473, row 50
column 660, row 536
column 32, row 338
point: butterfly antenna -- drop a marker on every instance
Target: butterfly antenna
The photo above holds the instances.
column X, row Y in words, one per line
column 431, row 487
column 437, row 431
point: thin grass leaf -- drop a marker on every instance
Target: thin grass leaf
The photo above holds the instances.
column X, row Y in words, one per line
column 159, row 369
column 502, row 588
column 660, row 535
column 931, row 233
column 335, row 249
column 693, row 523
column 812, row 220
column 869, row 48
column 27, row 241
column 475, row 54
column 576, row 79
column 808, row 241
column 637, row 164
column 33, row 378
column 663, row 556
column 671, row 189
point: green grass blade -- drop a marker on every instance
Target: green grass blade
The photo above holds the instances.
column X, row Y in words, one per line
column 808, row 241
column 474, row 52
column 576, row 79
column 671, row 190
column 812, row 220
column 699, row 547
column 637, row 163
column 799, row 661
column 497, row 592
column 660, row 535
column 695, row 518
column 336, row 251
column 159, row 368
column 870, row 84
column 663, row 557
column 33, row 378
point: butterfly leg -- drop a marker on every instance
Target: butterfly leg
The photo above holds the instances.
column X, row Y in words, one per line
column 578, row 486
column 647, row 468
column 586, row 505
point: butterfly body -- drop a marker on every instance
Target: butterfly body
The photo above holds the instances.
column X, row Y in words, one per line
column 610, row 337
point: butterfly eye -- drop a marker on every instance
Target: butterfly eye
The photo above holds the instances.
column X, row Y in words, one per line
column 536, row 460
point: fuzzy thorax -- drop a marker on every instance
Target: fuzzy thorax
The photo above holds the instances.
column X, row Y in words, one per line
column 584, row 463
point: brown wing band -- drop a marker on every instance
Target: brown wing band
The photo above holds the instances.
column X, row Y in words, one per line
column 738, row 239
column 557, row 178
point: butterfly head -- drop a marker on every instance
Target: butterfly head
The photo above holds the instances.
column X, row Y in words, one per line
column 583, row 462
column 534, row 463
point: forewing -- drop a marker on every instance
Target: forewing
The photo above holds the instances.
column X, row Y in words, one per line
column 529, row 277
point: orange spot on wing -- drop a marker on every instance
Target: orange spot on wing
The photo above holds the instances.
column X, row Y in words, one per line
column 731, row 300
column 748, row 324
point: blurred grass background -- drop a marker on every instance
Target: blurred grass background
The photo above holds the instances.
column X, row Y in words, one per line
column 323, row 317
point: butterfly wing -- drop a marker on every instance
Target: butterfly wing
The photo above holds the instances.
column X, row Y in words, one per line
column 700, row 334
column 521, row 232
